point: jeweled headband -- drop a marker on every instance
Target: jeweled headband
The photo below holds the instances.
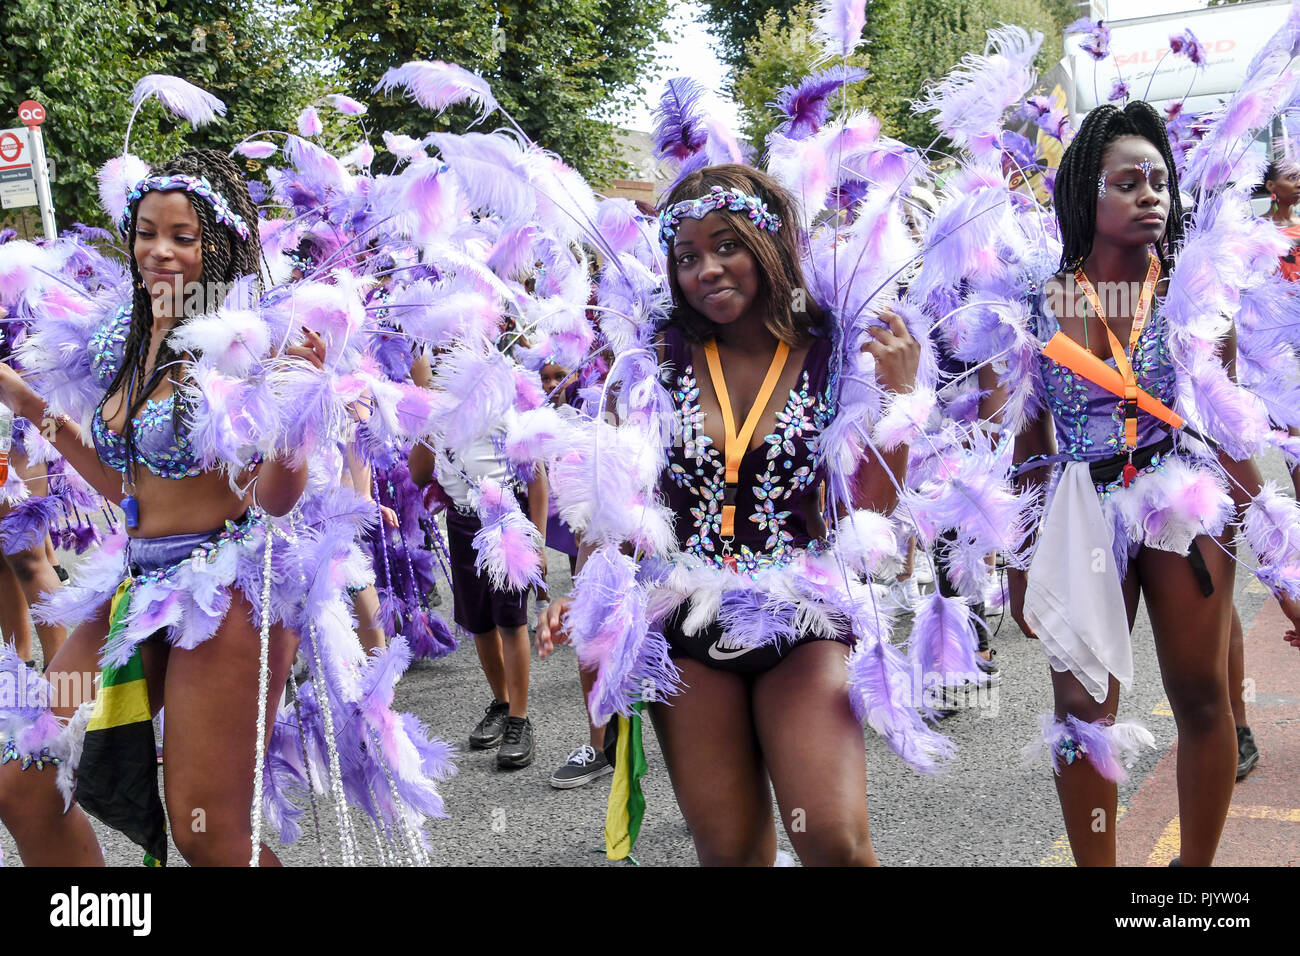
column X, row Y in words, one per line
column 718, row 198
column 199, row 186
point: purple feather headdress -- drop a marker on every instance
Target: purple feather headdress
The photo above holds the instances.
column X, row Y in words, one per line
column 804, row 104
column 182, row 99
column 1186, row 44
column 681, row 128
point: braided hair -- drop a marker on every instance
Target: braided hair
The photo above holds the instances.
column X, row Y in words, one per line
column 225, row 258
column 1075, row 193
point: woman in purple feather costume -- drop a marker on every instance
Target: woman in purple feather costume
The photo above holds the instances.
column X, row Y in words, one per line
column 209, row 413
column 762, row 695
column 174, row 240
column 1162, row 505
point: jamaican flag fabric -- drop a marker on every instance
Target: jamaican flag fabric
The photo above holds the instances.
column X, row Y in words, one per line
column 117, row 779
column 626, row 801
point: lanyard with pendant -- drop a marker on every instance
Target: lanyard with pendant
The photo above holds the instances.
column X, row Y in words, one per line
column 1124, row 358
column 130, row 507
column 735, row 445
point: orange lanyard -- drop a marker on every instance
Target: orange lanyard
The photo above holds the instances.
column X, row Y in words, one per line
column 734, row 446
column 1124, row 359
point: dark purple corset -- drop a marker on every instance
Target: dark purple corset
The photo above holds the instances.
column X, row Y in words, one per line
column 776, row 478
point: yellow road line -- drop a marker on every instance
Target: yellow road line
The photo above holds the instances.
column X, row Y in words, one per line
column 1167, row 845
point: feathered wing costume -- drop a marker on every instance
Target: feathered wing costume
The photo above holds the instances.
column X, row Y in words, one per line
column 494, row 207
column 987, row 298
column 71, row 267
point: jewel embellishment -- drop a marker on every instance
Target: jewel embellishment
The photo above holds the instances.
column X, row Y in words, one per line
column 718, row 198
column 191, row 184
column 1101, row 186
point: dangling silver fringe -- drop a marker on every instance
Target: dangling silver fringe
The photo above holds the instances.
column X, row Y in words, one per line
column 347, row 836
column 418, row 856
column 263, row 685
column 306, row 762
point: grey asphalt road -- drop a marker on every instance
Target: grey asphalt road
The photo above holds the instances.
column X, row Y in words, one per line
column 988, row 809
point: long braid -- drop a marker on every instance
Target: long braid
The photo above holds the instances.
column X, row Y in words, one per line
column 225, row 258
column 1075, row 193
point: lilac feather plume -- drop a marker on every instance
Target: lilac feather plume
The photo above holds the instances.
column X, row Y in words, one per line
column 346, row 105
column 838, row 26
column 608, row 627
column 436, row 85
column 493, row 172
column 28, row 522
column 881, row 692
column 804, row 104
column 507, row 544
column 309, row 123
column 943, row 643
column 181, row 98
column 257, row 149
column 970, row 102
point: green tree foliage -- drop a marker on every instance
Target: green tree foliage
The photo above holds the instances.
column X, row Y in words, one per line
column 780, row 53
column 908, row 43
column 78, row 58
column 561, row 67
column 260, row 57
column 736, row 22
column 557, row 66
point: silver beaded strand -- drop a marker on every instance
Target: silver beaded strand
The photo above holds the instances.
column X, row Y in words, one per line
column 306, row 762
column 263, row 685
column 347, row 838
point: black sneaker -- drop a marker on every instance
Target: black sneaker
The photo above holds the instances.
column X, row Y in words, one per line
column 583, row 766
column 491, row 727
column 1247, row 752
column 516, row 743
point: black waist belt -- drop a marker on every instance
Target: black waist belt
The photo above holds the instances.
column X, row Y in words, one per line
column 1106, row 470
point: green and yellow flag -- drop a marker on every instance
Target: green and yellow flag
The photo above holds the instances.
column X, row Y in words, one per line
column 117, row 779
column 626, row 801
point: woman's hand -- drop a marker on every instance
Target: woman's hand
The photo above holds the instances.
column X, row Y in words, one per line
column 1017, row 581
column 19, row 396
column 897, row 354
column 1291, row 608
column 389, row 516
column 311, row 350
column 550, row 627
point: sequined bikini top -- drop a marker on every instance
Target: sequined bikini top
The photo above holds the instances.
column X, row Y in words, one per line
column 776, row 478
column 1089, row 420
column 158, row 446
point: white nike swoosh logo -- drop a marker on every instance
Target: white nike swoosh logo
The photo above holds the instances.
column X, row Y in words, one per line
column 720, row 655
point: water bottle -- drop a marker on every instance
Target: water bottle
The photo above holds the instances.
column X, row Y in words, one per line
column 6, row 440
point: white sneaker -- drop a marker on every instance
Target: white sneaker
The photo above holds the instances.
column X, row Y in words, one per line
column 905, row 594
column 995, row 593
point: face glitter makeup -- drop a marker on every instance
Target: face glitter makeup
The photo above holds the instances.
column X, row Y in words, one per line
column 1101, row 186
column 1145, row 167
